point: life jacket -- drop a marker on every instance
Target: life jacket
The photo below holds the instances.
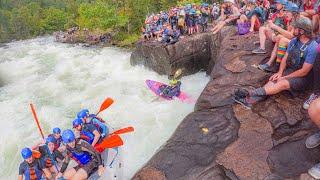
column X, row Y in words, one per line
column 93, row 116
column 87, row 136
column 33, row 173
column 48, row 162
column 96, row 117
column 82, row 158
column 296, row 54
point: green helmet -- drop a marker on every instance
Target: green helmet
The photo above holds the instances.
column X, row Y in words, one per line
column 305, row 24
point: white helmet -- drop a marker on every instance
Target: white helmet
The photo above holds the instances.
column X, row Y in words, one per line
column 229, row 1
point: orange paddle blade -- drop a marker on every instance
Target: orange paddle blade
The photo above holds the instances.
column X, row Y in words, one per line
column 124, row 130
column 106, row 103
column 109, row 142
column 36, row 154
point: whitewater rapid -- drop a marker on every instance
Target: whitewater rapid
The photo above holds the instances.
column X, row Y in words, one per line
column 61, row 79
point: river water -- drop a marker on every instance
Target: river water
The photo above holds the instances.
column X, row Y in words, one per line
column 61, row 79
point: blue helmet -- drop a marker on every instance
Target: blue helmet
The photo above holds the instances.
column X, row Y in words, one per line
column 26, row 153
column 56, row 130
column 283, row 2
column 68, row 136
column 292, row 7
column 50, row 139
column 83, row 113
column 77, row 122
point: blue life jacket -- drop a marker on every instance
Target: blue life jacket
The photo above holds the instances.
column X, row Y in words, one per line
column 38, row 173
column 82, row 158
column 87, row 136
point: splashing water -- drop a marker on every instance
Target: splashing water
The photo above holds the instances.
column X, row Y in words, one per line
column 61, row 79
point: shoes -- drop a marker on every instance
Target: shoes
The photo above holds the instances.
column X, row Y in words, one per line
column 313, row 140
column 315, row 171
column 259, row 51
column 307, row 103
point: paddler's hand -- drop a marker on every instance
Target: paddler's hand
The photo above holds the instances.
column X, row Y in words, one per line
column 100, row 170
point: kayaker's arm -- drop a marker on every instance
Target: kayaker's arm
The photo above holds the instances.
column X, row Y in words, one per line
column 96, row 137
column 88, row 148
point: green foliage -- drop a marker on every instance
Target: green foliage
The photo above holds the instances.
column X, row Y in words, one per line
column 54, row 19
column 100, row 15
column 20, row 19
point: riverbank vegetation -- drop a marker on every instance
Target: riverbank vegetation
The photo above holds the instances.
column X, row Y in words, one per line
column 22, row 19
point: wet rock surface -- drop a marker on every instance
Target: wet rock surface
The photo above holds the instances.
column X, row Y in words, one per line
column 192, row 54
column 267, row 142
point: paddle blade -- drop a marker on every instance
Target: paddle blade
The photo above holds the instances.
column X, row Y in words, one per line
column 106, row 103
column 36, row 154
column 109, row 142
column 124, row 130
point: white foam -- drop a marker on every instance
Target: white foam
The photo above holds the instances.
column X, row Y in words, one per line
column 61, row 79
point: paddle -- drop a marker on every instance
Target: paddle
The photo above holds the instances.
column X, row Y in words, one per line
column 41, row 132
column 36, row 119
column 109, row 142
column 123, row 130
column 106, row 103
column 113, row 140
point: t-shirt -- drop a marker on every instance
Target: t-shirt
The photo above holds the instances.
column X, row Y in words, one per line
column 310, row 52
column 281, row 21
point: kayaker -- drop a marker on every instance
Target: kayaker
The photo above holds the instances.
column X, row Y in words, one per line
column 88, row 159
column 88, row 118
column 174, row 86
column 88, row 132
column 31, row 168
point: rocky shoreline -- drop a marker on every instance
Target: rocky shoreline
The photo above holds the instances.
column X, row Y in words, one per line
column 266, row 142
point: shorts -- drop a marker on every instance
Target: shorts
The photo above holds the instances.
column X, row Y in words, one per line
column 301, row 83
column 90, row 167
column 257, row 25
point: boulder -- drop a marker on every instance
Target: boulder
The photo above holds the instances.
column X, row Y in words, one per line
column 222, row 140
column 192, row 54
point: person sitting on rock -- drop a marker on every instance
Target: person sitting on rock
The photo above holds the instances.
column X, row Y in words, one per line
column 282, row 40
column 295, row 69
column 316, row 84
column 314, row 140
column 253, row 14
column 278, row 20
column 229, row 14
column 311, row 11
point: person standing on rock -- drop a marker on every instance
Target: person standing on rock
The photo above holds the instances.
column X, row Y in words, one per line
column 295, row 68
column 314, row 140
